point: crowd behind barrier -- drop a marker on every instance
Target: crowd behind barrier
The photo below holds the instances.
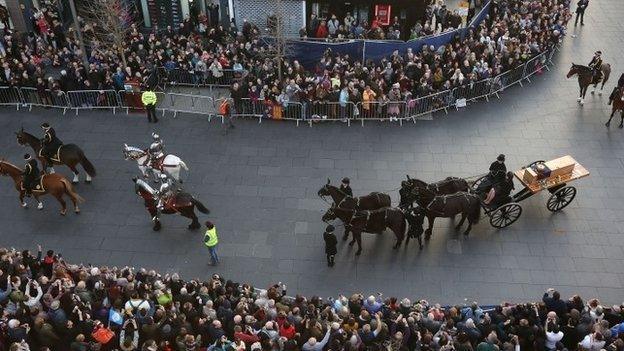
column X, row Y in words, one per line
column 304, row 111
column 50, row 304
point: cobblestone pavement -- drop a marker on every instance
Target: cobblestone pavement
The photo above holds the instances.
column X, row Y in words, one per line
column 261, row 182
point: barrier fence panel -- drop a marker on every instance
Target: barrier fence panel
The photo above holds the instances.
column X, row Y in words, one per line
column 90, row 99
column 534, row 65
column 317, row 111
column 48, row 98
column 472, row 91
column 429, row 104
column 10, row 96
column 219, row 78
column 381, row 111
column 196, row 104
column 507, row 79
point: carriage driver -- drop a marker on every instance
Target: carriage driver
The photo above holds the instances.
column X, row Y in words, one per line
column 31, row 174
column 50, row 143
column 155, row 150
column 501, row 191
column 596, row 64
column 496, row 175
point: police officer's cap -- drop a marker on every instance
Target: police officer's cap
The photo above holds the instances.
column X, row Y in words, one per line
column 598, row 53
column 27, row 157
column 501, row 158
column 45, row 125
column 345, row 180
column 329, row 229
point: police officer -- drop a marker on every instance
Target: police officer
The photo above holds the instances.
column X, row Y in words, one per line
column 620, row 85
column 149, row 101
column 345, row 187
column 330, row 245
column 31, row 174
column 50, row 143
column 581, row 5
column 596, row 63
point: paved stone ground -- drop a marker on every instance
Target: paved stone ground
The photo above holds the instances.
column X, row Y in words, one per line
column 261, row 181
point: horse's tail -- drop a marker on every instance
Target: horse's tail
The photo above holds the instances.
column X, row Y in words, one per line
column 200, row 206
column 69, row 189
column 474, row 212
column 183, row 165
column 86, row 164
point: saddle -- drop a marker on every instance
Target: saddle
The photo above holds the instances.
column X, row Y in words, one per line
column 39, row 188
column 176, row 201
column 56, row 157
column 157, row 163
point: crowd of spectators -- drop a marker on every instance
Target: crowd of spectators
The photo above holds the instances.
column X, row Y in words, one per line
column 514, row 32
column 438, row 18
column 49, row 304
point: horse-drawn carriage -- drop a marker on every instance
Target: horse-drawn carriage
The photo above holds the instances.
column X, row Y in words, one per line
column 553, row 176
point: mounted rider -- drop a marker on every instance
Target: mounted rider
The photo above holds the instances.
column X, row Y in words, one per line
column 345, row 187
column 155, row 152
column 50, row 144
column 30, row 175
column 596, row 65
column 620, row 85
column 168, row 189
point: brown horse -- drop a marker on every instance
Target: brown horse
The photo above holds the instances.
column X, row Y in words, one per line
column 586, row 78
column 375, row 221
column 182, row 203
column 69, row 155
column 54, row 184
column 618, row 105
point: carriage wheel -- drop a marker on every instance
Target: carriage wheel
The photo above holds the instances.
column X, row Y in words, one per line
column 478, row 182
column 561, row 198
column 505, row 215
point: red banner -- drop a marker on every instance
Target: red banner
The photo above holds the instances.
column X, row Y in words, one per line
column 382, row 14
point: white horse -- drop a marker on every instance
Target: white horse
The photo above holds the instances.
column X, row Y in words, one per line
column 171, row 165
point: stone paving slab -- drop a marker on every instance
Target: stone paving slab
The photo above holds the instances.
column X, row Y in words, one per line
column 260, row 183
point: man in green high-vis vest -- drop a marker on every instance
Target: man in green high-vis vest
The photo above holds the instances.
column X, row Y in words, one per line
column 211, row 240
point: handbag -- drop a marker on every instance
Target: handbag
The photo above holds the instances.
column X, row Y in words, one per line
column 103, row 335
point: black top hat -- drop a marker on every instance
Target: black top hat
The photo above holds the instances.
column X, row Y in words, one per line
column 345, row 180
column 329, row 229
column 45, row 125
column 501, row 158
column 27, row 157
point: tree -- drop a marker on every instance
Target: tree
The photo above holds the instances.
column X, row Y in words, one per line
column 111, row 22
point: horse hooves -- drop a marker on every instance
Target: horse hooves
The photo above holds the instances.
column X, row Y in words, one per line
column 77, row 211
column 75, row 182
column 87, row 182
column 421, row 247
column 351, row 243
column 358, row 253
column 344, row 238
column 466, row 233
column 607, row 124
column 63, row 212
column 156, row 228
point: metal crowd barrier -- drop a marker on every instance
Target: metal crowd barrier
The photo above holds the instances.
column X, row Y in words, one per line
column 93, row 99
column 48, row 99
column 472, row 91
column 308, row 111
column 534, row 65
column 429, row 104
column 181, row 77
column 10, row 96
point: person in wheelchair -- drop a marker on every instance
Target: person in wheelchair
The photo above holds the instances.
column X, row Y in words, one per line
column 500, row 193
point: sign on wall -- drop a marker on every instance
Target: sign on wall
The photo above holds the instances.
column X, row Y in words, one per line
column 382, row 14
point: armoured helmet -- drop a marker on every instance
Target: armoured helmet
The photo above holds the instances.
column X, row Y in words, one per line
column 155, row 136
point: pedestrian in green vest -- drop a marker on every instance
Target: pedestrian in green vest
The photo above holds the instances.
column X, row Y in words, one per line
column 211, row 240
column 149, row 101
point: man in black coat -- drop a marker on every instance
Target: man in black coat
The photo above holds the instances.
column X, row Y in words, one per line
column 51, row 144
column 31, row 174
column 620, row 85
column 555, row 303
column 580, row 11
column 345, row 187
column 330, row 245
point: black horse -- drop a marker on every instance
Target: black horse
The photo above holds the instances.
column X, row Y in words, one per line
column 372, row 201
column 448, row 206
column 375, row 221
column 446, row 186
column 182, row 203
column 69, row 154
